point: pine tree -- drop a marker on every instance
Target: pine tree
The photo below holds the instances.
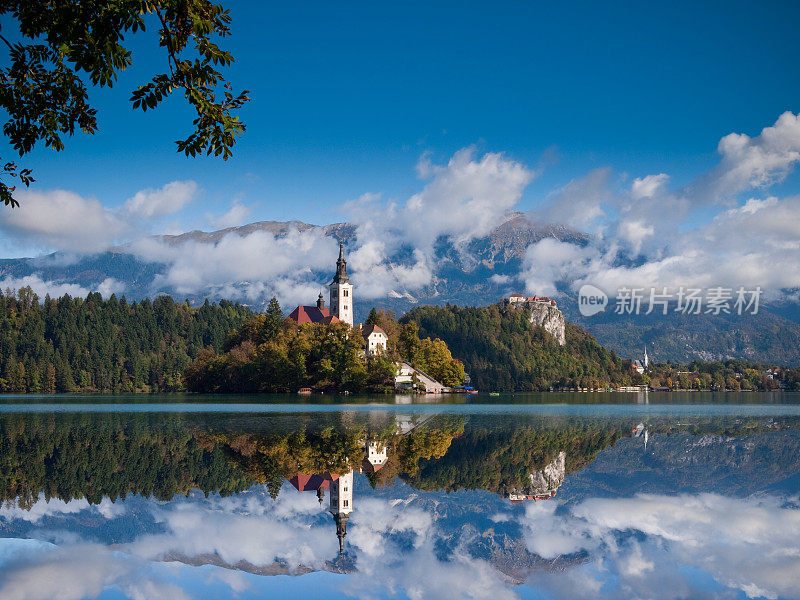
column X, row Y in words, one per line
column 372, row 319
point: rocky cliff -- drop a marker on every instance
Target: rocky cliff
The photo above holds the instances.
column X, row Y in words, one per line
column 544, row 314
column 545, row 482
column 548, row 316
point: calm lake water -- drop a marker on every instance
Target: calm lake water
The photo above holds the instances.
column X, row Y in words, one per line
column 518, row 496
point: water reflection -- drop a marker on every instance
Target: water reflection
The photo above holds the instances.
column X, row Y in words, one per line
column 388, row 503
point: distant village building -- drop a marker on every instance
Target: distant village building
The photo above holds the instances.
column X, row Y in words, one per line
column 375, row 340
column 341, row 300
column 640, row 366
column 520, row 299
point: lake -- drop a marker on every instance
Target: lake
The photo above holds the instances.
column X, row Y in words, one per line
column 581, row 495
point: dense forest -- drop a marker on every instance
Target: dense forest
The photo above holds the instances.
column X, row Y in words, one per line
column 502, row 351
column 270, row 353
column 95, row 345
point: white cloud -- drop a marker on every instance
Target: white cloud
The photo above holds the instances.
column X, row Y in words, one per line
column 251, row 267
column 77, row 572
column 645, row 543
column 668, row 243
column 579, row 204
column 153, row 203
column 63, row 220
column 648, row 186
column 251, row 528
column 385, row 567
column 67, row 222
column 57, row 289
column 237, row 214
column 462, row 200
column 55, row 506
column 749, row 163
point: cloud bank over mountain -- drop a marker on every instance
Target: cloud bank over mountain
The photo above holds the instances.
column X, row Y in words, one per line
column 724, row 228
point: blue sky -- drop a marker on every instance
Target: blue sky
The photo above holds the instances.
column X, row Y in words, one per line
column 347, row 97
column 658, row 130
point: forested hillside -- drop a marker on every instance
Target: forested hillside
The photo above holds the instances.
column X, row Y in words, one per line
column 502, row 351
column 95, row 345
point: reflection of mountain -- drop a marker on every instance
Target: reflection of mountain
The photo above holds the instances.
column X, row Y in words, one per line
column 733, row 466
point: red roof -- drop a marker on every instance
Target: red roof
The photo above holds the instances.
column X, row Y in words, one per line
column 312, row 314
column 370, row 329
column 369, row 467
column 309, row 483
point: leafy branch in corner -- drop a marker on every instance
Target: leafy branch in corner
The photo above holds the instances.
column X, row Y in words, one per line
column 43, row 88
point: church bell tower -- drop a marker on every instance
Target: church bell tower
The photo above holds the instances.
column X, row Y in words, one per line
column 341, row 505
column 342, row 291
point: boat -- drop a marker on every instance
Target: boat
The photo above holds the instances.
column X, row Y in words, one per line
column 306, row 391
column 494, row 393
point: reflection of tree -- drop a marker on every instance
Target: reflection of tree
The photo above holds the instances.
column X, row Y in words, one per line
column 495, row 456
column 337, row 449
column 110, row 455
column 92, row 456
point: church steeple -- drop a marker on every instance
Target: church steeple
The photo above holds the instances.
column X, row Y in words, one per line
column 341, row 529
column 341, row 267
column 342, row 291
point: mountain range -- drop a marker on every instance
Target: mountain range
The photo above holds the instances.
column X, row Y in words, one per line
column 480, row 273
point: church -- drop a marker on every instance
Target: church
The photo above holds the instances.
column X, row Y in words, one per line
column 341, row 300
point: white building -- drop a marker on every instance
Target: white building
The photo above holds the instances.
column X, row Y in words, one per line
column 341, row 505
column 375, row 340
column 376, row 455
column 342, row 291
column 407, row 375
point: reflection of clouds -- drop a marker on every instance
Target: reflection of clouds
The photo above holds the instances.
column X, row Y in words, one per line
column 250, row 528
column 748, row 545
column 55, row 506
column 388, row 562
column 75, row 572
column 681, row 546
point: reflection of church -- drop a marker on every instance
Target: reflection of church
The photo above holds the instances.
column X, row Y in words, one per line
column 340, row 503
